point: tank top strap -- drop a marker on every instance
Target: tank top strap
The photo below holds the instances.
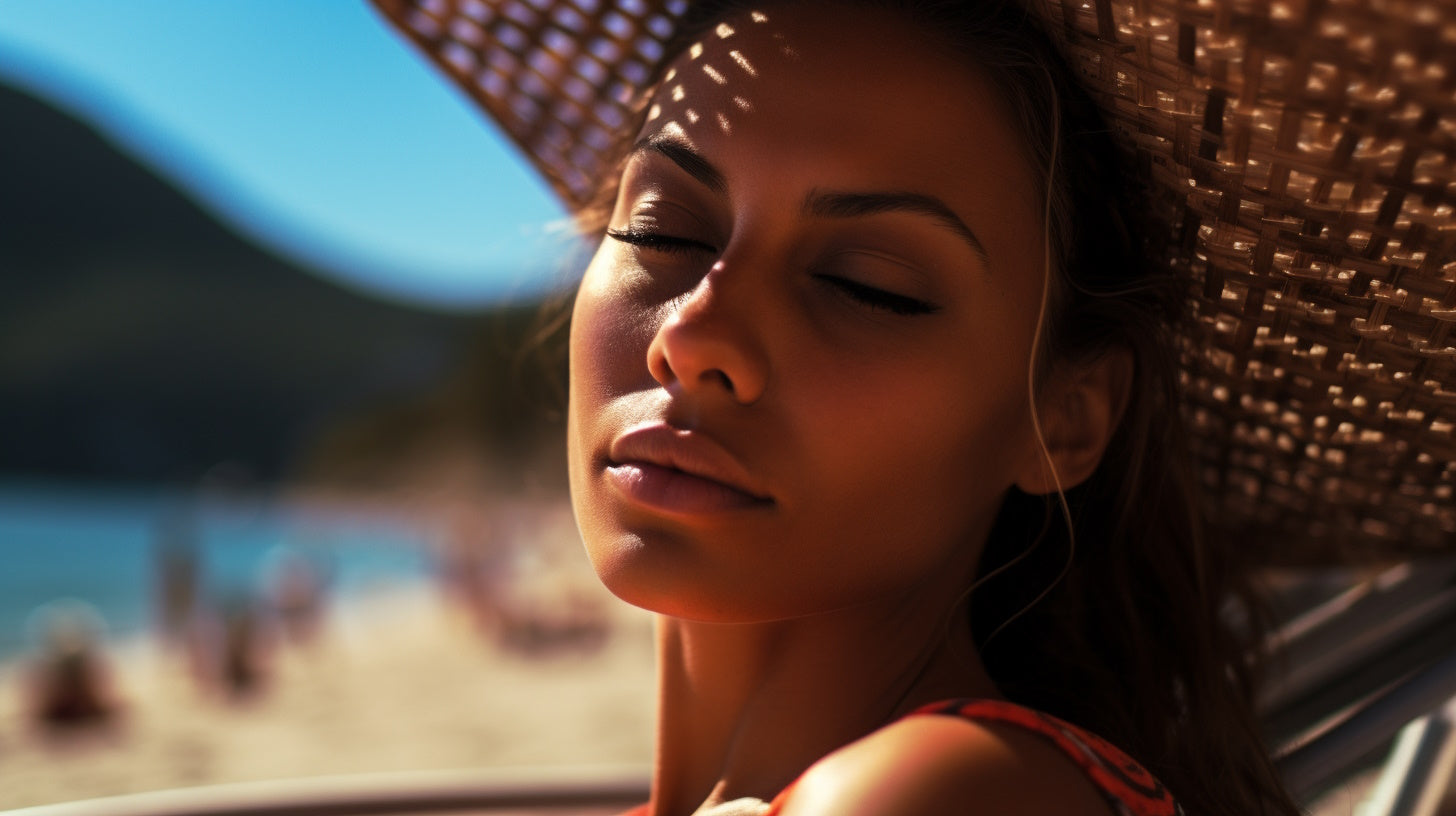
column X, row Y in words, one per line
column 1127, row 786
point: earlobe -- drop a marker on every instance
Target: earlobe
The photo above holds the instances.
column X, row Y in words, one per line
column 1079, row 408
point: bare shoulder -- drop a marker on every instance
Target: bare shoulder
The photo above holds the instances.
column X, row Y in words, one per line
column 937, row 765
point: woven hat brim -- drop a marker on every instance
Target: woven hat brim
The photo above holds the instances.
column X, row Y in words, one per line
column 1305, row 160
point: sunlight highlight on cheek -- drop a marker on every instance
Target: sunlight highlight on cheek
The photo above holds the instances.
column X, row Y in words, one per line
column 613, row 323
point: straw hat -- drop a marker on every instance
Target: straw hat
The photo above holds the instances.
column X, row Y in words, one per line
column 1305, row 151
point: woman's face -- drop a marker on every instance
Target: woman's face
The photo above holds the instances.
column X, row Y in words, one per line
column 799, row 359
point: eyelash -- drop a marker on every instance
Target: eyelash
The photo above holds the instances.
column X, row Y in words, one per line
column 854, row 290
column 658, row 242
column 879, row 298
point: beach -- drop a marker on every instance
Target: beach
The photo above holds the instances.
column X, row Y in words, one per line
column 530, row 664
column 405, row 683
column 401, row 680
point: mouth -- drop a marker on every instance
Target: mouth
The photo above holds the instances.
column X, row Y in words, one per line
column 680, row 472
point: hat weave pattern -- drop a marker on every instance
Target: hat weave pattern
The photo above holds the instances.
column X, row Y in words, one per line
column 559, row 76
column 1305, row 155
column 1304, row 158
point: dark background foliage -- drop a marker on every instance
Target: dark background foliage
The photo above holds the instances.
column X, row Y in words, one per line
column 142, row 340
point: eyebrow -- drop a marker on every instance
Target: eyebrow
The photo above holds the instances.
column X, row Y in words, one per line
column 859, row 205
column 682, row 154
column 820, row 204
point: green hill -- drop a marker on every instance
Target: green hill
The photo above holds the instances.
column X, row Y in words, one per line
column 143, row 340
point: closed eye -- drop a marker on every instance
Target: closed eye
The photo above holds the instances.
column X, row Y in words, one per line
column 659, row 242
column 878, row 298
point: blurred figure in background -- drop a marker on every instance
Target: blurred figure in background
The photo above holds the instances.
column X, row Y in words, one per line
column 69, row 685
column 511, row 572
column 230, row 648
column 550, row 605
column 472, row 565
column 177, row 579
column 242, row 655
column 294, row 589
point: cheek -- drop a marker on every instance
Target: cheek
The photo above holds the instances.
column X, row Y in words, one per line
column 590, row 349
column 610, row 332
column 948, row 407
column 917, row 457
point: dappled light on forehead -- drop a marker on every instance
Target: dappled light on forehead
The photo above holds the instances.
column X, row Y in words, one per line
column 682, row 101
column 743, row 63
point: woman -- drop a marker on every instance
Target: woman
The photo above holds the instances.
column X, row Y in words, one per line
column 803, row 390
column 872, row 401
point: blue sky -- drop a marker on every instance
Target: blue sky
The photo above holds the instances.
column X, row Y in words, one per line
column 310, row 126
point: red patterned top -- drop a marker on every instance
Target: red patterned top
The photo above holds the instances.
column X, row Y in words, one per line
column 1126, row 786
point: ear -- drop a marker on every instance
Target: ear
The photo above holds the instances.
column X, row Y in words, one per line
column 1080, row 406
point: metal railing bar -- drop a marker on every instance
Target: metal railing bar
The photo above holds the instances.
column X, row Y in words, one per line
column 477, row 791
column 1418, row 773
column 1325, row 642
column 1304, row 718
column 1311, row 767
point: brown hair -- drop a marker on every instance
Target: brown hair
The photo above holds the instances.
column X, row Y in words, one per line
column 1119, row 624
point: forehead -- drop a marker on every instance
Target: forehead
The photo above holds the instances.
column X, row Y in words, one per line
column 841, row 97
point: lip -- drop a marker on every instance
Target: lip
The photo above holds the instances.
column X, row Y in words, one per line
column 680, row 472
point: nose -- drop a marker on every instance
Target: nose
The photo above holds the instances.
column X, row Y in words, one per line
column 708, row 342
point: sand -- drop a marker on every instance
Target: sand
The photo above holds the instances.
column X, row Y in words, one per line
column 398, row 681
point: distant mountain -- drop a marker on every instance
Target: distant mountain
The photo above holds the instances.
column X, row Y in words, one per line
column 143, row 340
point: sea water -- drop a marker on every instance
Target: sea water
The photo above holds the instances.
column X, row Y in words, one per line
column 103, row 546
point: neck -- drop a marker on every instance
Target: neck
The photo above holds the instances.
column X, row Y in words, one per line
column 745, row 708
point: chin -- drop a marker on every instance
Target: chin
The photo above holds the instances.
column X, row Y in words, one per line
column 646, row 571
column 636, row 567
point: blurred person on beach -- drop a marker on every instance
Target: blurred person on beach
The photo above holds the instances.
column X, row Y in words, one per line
column 472, row 564
column 69, row 685
column 242, row 671
column 501, row 569
column 545, row 612
column 230, row 648
column 177, row 577
column 294, row 586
